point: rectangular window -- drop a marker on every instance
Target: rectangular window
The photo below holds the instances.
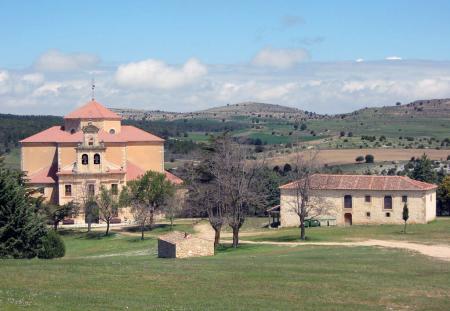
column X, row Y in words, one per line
column 41, row 190
column 388, row 202
column 91, row 189
column 404, row 198
column 388, row 214
column 114, row 189
column 68, row 190
column 368, row 214
column 368, row 199
column 347, row 201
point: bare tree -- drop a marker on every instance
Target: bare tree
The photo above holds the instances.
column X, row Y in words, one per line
column 108, row 205
column 306, row 204
column 234, row 176
column 205, row 197
column 173, row 205
column 88, row 204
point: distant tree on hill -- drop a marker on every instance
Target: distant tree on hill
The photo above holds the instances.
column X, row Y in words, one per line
column 287, row 168
column 303, row 127
column 359, row 159
column 342, row 134
column 369, row 158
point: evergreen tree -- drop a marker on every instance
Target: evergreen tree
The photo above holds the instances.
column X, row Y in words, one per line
column 423, row 170
column 405, row 215
column 21, row 228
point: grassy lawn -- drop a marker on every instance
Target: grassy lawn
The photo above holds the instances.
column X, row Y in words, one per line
column 437, row 232
column 122, row 272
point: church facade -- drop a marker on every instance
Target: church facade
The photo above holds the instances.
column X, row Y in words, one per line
column 91, row 149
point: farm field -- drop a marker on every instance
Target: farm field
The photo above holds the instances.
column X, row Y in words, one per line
column 344, row 156
column 122, row 272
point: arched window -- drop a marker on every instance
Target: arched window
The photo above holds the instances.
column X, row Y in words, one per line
column 84, row 159
column 96, row 158
column 347, row 201
column 388, row 202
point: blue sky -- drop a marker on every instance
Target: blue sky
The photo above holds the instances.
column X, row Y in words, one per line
column 150, row 54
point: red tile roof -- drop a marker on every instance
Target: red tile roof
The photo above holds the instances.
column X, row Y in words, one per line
column 46, row 175
column 56, row 134
column 172, row 178
column 134, row 172
column 93, row 110
column 363, row 182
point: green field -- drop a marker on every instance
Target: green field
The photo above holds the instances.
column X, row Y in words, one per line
column 436, row 232
column 122, row 272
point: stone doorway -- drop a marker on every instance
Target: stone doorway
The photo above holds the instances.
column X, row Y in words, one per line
column 348, row 219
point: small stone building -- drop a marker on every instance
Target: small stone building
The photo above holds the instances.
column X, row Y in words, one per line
column 181, row 245
column 362, row 199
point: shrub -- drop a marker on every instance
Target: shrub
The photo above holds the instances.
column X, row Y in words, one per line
column 52, row 246
column 359, row 158
column 370, row 158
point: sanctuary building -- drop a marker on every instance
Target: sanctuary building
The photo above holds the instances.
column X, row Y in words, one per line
column 91, row 149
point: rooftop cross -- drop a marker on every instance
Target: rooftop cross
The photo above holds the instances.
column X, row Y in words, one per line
column 93, row 89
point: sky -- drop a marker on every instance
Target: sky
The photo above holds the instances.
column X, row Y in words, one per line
column 322, row 56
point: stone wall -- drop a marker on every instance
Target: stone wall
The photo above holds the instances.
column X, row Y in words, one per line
column 421, row 204
column 194, row 247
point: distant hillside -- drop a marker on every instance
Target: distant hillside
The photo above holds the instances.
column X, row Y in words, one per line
column 250, row 107
column 223, row 112
column 419, row 108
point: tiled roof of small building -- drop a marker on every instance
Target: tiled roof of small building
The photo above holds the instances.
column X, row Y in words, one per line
column 93, row 110
column 363, row 182
column 56, row 134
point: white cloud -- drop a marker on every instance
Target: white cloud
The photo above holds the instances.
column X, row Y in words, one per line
column 332, row 87
column 393, row 58
column 277, row 92
column 4, row 76
column 359, row 60
column 33, row 78
column 280, row 58
column 50, row 88
column 153, row 73
column 57, row 61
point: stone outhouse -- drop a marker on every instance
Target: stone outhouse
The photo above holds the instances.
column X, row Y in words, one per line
column 178, row 244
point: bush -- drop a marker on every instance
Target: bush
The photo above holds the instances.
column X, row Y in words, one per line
column 52, row 246
column 359, row 158
column 370, row 158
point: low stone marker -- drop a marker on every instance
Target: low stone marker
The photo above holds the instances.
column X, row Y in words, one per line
column 179, row 244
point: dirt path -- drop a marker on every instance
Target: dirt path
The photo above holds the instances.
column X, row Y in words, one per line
column 441, row 252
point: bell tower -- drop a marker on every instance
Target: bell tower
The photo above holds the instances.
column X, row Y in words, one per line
column 91, row 152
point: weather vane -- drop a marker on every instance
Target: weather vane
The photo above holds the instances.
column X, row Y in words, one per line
column 93, row 89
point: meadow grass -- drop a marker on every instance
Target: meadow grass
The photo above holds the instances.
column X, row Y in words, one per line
column 122, row 272
column 436, row 232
